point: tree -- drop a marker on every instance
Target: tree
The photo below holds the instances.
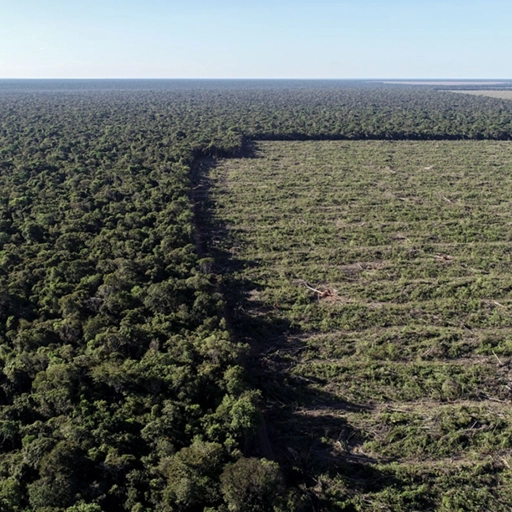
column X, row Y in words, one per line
column 193, row 476
column 252, row 485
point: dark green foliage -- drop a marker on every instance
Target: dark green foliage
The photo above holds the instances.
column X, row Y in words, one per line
column 193, row 476
column 114, row 357
column 252, row 485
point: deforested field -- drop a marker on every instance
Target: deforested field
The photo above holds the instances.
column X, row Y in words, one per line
column 372, row 281
column 501, row 94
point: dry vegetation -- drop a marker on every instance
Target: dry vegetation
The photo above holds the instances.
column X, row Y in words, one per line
column 373, row 281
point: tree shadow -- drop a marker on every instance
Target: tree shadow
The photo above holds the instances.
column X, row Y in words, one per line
column 303, row 428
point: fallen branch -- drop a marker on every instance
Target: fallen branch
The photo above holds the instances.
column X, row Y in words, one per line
column 321, row 293
column 311, row 288
column 499, row 360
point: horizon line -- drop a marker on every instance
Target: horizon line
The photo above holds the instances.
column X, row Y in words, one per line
column 379, row 79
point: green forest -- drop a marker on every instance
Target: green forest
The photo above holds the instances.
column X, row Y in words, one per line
column 134, row 374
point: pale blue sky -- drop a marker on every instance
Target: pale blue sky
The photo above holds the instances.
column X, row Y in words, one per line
column 255, row 39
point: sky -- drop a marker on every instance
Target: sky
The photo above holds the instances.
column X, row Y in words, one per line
column 255, row 39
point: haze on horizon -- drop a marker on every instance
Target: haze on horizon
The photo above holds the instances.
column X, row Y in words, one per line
column 423, row 39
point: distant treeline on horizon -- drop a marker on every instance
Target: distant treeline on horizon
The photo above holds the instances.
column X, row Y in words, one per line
column 141, row 84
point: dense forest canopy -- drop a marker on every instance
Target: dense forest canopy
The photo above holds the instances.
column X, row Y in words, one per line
column 209, row 111
column 121, row 386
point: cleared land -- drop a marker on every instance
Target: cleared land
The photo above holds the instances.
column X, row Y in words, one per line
column 373, row 280
column 506, row 95
column 440, row 82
